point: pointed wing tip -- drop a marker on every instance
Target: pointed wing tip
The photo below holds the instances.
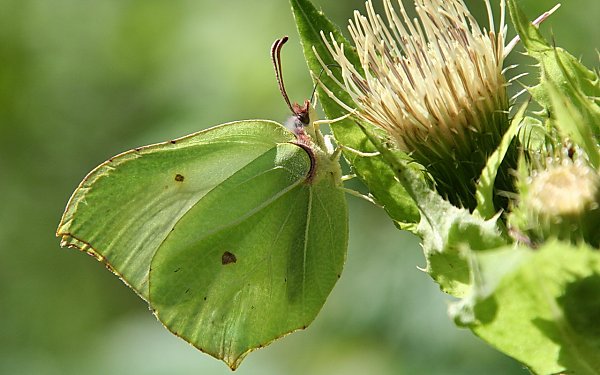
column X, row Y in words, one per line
column 232, row 366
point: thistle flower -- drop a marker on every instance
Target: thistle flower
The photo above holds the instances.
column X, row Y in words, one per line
column 435, row 84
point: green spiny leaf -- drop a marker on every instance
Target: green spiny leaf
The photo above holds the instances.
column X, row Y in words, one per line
column 540, row 307
column 448, row 232
column 485, row 185
column 580, row 120
column 567, row 90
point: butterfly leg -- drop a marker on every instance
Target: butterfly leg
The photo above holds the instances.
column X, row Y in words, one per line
column 358, row 152
column 337, row 150
column 317, row 123
column 357, row 194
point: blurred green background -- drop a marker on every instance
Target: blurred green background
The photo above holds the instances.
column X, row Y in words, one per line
column 81, row 81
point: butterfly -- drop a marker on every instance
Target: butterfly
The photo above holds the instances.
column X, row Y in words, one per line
column 234, row 235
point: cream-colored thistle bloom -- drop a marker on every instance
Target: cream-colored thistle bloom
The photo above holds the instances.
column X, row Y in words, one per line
column 435, row 84
column 437, row 77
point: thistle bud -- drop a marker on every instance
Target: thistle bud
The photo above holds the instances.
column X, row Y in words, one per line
column 560, row 201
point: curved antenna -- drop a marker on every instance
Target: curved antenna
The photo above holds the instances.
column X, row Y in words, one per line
column 312, row 96
column 276, row 57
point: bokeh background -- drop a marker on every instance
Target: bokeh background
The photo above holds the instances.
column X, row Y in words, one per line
column 81, row 81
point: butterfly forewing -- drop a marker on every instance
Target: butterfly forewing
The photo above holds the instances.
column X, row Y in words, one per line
column 125, row 208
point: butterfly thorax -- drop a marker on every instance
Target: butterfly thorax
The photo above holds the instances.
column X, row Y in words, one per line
column 323, row 163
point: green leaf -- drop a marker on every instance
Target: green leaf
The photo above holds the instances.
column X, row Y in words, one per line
column 530, row 36
column 373, row 171
column 228, row 233
column 533, row 135
column 538, row 306
column 567, row 90
column 448, row 232
column 578, row 118
column 485, row 186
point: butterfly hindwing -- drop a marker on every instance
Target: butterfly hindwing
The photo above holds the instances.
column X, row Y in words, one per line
column 263, row 269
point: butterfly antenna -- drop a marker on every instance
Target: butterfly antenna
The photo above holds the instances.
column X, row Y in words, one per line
column 312, row 96
column 276, row 57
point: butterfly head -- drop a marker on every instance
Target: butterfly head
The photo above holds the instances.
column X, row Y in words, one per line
column 302, row 112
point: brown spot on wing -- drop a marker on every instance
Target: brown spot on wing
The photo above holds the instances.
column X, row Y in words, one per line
column 228, row 258
column 179, row 177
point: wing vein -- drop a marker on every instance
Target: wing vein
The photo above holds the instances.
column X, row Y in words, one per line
column 305, row 247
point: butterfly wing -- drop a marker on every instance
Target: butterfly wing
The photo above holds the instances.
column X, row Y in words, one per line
column 253, row 260
column 221, row 231
column 125, row 208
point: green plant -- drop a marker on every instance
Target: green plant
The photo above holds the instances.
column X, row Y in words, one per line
column 525, row 276
column 235, row 236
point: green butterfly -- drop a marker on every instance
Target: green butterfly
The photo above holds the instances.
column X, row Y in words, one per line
column 234, row 235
